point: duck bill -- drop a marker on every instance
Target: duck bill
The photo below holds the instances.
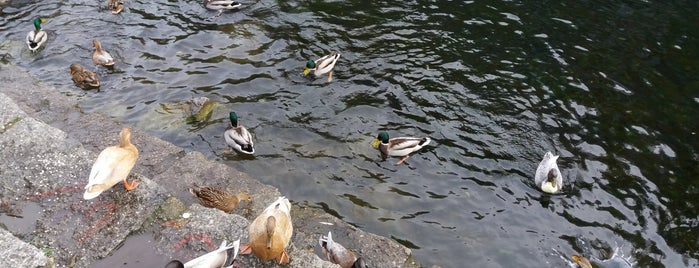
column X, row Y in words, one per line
column 306, row 71
column 42, row 20
column 375, row 143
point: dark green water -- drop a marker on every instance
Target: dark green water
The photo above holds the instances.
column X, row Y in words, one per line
column 611, row 86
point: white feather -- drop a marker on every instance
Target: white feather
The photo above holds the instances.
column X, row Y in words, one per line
column 541, row 176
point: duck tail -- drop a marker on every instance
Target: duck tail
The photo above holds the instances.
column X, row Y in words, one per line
column 424, row 141
column 247, row 148
column 194, row 189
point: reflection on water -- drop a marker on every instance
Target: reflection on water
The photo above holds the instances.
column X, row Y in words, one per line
column 610, row 86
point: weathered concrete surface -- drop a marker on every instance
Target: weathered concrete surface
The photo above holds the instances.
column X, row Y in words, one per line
column 17, row 253
column 47, row 145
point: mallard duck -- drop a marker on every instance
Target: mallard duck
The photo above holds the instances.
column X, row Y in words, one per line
column 581, row 261
column 199, row 109
column 270, row 233
column 401, row 146
column 321, row 66
column 238, row 137
column 115, row 6
column 336, row 253
column 224, row 255
column 36, row 37
column 548, row 176
column 221, row 5
column 83, row 78
column 101, row 57
column 212, row 197
column 113, row 165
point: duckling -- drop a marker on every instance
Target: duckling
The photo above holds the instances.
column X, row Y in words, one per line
column 401, row 146
column 548, row 176
column 36, row 37
column 83, row 78
column 270, row 233
column 116, row 6
column 336, row 253
column 321, row 66
column 101, row 57
column 212, row 197
column 113, row 165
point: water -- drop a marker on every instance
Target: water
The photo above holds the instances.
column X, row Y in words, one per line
column 611, row 86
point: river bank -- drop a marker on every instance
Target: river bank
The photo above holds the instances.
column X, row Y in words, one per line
column 48, row 145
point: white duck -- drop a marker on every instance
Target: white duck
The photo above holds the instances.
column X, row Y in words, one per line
column 113, row 165
column 238, row 137
column 217, row 258
column 548, row 176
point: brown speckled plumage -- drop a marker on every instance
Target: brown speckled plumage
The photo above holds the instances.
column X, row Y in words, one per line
column 213, row 197
column 83, row 78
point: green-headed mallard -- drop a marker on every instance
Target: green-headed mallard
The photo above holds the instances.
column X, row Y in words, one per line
column 115, row 6
column 36, row 37
column 101, row 57
column 220, row 257
column 83, row 78
column 336, row 253
column 238, row 137
column 548, row 177
column 212, row 197
column 321, row 66
column 581, row 261
column 270, row 233
column 113, row 165
column 401, row 146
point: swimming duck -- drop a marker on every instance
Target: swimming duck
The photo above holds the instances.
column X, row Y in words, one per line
column 548, row 176
column 401, row 146
column 36, row 37
column 321, row 66
column 115, row 6
column 270, row 233
column 113, row 164
column 581, row 261
column 238, row 137
column 220, row 257
column 212, row 197
column 101, row 57
column 221, row 5
column 83, row 78
column 336, row 253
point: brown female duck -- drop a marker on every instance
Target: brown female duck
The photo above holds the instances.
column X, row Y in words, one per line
column 83, row 78
column 212, row 197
